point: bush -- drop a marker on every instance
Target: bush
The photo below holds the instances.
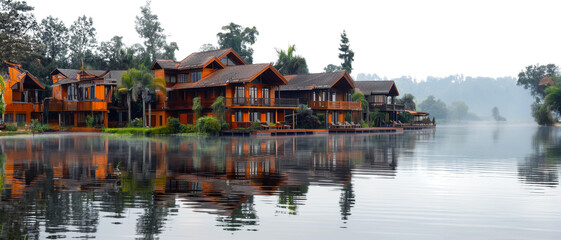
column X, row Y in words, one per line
column 405, row 117
column 225, row 125
column 137, row 122
column 89, row 121
column 208, row 125
column 11, row 127
column 21, row 124
column 36, row 126
column 175, row 125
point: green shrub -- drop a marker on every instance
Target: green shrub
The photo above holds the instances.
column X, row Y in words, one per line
column 89, row 121
column 256, row 125
column 208, row 125
column 405, row 117
column 175, row 125
column 189, row 128
column 11, row 127
column 159, row 130
column 37, row 126
column 137, row 122
column 21, row 124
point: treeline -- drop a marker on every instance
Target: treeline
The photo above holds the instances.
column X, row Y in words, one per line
column 544, row 83
column 480, row 95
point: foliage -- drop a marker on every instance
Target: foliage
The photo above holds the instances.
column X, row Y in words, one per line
column 207, row 47
column 531, row 77
column 376, row 118
column 348, row 117
column 496, row 115
column 409, row 101
column 16, row 23
column 541, row 114
column 197, row 107
column 553, row 99
column 437, row 108
column 82, row 40
column 405, row 117
column 149, row 28
column 347, row 55
column 306, row 118
column 37, row 126
column 458, row 110
column 288, row 63
column 11, row 127
column 54, row 37
column 175, row 125
column 359, row 97
column 137, row 122
column 239, row 40
column 208, row 125
column 321, row 119
column 332, row 68
column 219, row 109
column 90, row 121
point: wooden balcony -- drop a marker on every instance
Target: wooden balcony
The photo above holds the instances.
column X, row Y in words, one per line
column 24, row 107
column 337, row 105
column 387, row 107
column 60, row 106
column 262, row 102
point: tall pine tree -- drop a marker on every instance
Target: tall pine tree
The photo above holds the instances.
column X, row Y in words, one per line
column 347, row 55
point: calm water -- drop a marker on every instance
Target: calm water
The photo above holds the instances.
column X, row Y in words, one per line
column 470, row 181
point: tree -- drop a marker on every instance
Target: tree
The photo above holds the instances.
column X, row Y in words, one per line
column 2, row 102
column 239, row 40
column 219, row 109
column 359, row 97
column 458, row 110
column 149, row 28
column 288, row 63
column 197, row 107
column 347, row 55
column 113, row 53
column 377, row 117
column 409, row 101
column 531, row 77
column 437, row 108
column 553, row 99
column 496, row 115
column 207, row 47
column 82, row 40
column 54, row 36
column 306, row 118
column 169, row 51
column 16, row 23
column 541, row 114
column 135, row 83
column 332, row 68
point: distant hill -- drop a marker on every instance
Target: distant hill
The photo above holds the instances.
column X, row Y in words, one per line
column 481, row 94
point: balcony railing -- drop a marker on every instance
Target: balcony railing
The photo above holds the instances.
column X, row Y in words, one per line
column 58, row 105
column 337, row 105
column 262, row 102
column 388, row 107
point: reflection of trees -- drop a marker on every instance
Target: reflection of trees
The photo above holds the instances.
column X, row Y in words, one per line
column 347, row 201
column 290, row 197
column 244, row 216
column 541, row 167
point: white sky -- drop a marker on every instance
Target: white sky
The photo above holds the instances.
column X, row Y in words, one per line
column 390, row 38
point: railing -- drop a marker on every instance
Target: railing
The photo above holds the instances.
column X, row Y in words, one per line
column 388, row 107
column 25, row 106
column 337, row 105
column 58, row 105
column 262, row 102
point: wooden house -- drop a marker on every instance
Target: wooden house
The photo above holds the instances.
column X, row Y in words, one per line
column 79, row 93
column 381, row 95
column 325, row 93
column 249, row 90
column 22, row 96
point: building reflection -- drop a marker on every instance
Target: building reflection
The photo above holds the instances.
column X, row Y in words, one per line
column 67, row 181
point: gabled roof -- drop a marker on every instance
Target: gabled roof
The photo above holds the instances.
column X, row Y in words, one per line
column 109, row 77
column 25, row 78
column 317, row 81
column 377, row 88
column 198, row 60
column 236, row 74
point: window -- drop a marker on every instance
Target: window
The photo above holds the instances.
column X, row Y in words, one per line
column 253, row 95
column 228, row 61
column 269, row 117
column 9, row 118
column 183, row 78
column 195, row 76
column 334, row 97
column 238, row 116
column 254, row 117
column 170, row 78
column 239, row 95
column 20, row 117
column 265, row 93
column 313, row 96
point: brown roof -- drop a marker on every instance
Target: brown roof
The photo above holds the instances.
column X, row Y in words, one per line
column 236, row 74
column 377, row 87
column 196, row 60
column 109, row 77
column 546, row 81
column 316, row 81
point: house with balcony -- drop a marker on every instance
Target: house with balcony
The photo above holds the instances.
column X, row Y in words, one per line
column 381, row 96
column 22, row 96
column 325, row 93
column 249, row 90
column 79, row 93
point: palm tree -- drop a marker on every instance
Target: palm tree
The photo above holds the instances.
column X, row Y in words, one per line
column 138, row 82
column 288, row 63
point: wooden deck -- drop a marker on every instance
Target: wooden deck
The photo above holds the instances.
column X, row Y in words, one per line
column 298, row 132
column 367, row 130
column 418, row 127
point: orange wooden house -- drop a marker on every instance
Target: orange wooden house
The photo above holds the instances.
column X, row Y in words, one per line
column 325, row 93
column 249, row 90
column 22, row 96
column 78, row 93
column 381, row 96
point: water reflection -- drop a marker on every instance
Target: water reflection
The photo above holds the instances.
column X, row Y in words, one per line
column 60, row 186
column 541, row 167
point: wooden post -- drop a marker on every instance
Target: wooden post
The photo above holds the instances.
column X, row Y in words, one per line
column 293, row 122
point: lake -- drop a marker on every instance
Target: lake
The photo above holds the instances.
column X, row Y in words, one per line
column 465, row 181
